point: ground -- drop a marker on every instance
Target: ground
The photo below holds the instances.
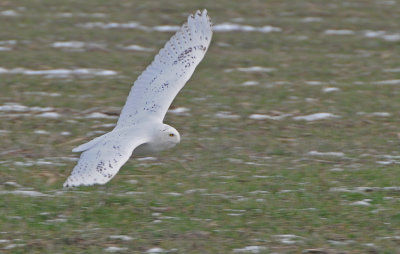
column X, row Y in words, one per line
column 256, row 171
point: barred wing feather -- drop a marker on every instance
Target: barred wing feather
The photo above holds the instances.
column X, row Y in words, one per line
column 156, row 88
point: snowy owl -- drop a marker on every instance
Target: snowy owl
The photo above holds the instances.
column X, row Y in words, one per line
column 140, row 129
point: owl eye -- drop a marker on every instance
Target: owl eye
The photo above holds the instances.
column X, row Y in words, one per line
column 171, row 134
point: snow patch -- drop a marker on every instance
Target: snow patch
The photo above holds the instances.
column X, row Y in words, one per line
column 382, row 35
column 313, row 83
column 96, row 115
column 334, row 154
column 224, row 27
column 364, row 202
column 43, row 94
column 388, row 82
column 392, row 70
column 330, row 89
column 232, row 27
column 250, row 83
column 288, row 239
column 316, row 116
column 250, row 249
column 264, row 117
column 59, row 73
column 52, row 115
column 15, row 107
column 179, row 111
column 166, row 28
column 80, row 14
column 135, row 47
column 115, row 249
column 311, row 19
column 252, row 69
column 338, row 32
column 41, row 132
column 25, row 193
column 9, row 13
column 9, row 42
column 68, row 44
column 226, row 115
column 155, row 250
column 173, row 194
column 121, row 237
column 5, row 49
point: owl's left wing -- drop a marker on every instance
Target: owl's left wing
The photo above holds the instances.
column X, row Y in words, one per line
column 156, row 88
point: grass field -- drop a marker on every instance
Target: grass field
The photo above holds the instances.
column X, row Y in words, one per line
column 250, row 175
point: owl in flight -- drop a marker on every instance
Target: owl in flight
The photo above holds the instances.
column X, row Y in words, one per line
column 140, row 129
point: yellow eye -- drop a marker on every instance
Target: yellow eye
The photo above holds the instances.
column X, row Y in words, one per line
column 171, row 134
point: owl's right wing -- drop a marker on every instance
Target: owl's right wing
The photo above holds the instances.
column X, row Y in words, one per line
column 102, row 158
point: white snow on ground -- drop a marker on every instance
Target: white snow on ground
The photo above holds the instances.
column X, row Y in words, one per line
column 224, row 27
column 381, row 114
column 52, row 115
column 311, row 19
column 250, row 249
column 263, row 117
column 252, row 69
column 335, row 154
column 43, row 94
column 226, row 115
column 76, row 45
column 165, row 28
column 135, row 47
column 364, row 202
column 121, row 237
column 313, row 83
column 57, row 73
column 288, row 239
column 5, row 48
column 338, row 32
column 330, row 89
column 13, row 245
column 41, row 132
column 68, row 44
column 229, row 27
column 382, row 35
column 388, row 82
column 15, row 107
column 25, row 193
column 112, row 25
column 100, row 115
column 180, row 111
column 80, row 14
column 392, row 70
column 173, row 194
column 115, row 249
column 9, row 13
column 250, row 83
column 155, row 250
column 9, row 42
column 316, row 116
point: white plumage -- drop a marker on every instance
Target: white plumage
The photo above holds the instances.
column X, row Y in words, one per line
column 140, row 128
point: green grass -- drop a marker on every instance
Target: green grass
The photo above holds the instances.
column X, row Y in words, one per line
column 224, row 161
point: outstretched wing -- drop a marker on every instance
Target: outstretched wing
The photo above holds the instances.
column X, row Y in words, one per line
column 156, row 88
column 101, row 162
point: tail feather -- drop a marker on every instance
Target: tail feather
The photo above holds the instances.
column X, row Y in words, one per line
column 88, row 145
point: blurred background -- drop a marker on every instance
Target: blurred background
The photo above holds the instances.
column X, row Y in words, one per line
column 290, row 128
